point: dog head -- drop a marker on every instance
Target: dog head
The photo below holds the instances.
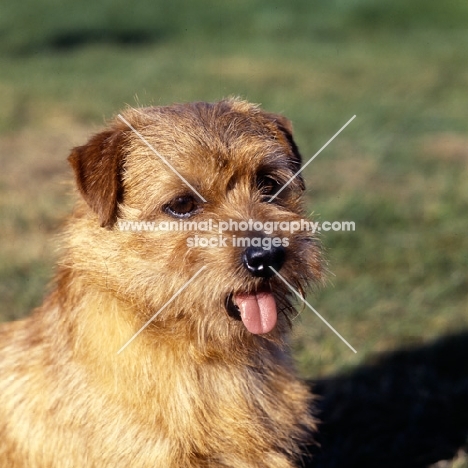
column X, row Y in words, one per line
column 170, row 193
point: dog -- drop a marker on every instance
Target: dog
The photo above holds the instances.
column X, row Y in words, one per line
column 153, row 350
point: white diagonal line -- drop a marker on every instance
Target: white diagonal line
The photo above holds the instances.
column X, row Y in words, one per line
column 164, row 160
column 312, row 158
column 313, row 310
column 161, row 309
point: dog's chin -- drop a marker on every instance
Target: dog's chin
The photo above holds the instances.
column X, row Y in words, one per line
column 257, row 310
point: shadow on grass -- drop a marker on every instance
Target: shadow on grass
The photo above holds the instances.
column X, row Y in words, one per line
column 408, row 408
column 74, row 39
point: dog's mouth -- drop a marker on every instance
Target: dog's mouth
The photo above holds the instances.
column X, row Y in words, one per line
column 257, row 310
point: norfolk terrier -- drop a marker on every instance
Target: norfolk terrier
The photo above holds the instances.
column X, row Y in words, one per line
column 154, row 350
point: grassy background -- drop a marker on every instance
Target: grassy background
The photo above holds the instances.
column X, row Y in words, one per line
column 400, row 170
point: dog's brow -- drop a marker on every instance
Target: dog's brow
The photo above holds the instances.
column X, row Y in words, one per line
column 164, row 160
column 312, row 158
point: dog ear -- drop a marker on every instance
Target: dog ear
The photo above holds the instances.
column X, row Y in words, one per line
column 98, row 173
column 284, row 125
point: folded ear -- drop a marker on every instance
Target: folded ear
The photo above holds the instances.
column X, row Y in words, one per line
column 285, row 127
column 98, row 173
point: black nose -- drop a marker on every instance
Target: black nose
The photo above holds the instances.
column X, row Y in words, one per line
column 258, row 261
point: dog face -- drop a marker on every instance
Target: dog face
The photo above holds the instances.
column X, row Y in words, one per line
column 210, row 165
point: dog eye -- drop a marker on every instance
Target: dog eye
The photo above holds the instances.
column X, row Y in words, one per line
column 267, row 186
column 182, row 207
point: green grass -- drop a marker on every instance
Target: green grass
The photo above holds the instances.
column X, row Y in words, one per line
column 399, row 170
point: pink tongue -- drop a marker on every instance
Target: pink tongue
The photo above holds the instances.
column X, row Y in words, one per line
column 258, row 311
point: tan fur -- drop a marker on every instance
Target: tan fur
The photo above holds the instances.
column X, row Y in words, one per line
column 195, row 388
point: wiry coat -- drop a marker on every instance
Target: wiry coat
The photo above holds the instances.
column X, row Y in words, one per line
column 195, row 388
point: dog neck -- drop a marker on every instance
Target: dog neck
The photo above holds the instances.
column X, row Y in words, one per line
column 175, row 387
